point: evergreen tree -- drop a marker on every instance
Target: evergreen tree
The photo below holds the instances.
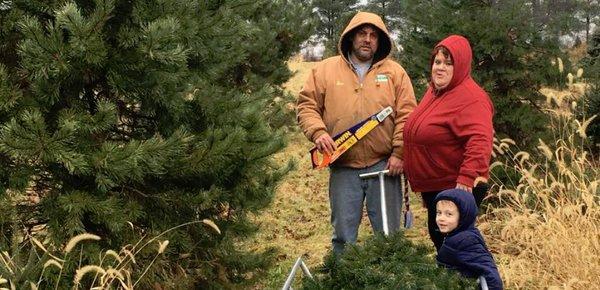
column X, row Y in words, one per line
column 561, row 18
column 591, row 107
column 385, row 263
column 332, row 18
column 591, row 61
column 510, row 58
column 591, row 99
column 126, row 118
column 557, row 18
column 588, row 12
column 390, row 11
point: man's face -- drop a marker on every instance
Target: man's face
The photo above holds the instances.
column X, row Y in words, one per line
column 364, row 43
column 446, row 216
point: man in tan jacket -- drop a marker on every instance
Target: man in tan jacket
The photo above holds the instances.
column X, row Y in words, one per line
column 342, row 91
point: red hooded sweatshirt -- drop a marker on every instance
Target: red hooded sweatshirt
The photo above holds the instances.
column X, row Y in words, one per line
column 448, row 138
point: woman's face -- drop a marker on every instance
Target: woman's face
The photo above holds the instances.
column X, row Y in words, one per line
column 442, row 71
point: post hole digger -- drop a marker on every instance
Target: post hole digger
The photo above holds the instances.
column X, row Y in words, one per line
column 408, row 216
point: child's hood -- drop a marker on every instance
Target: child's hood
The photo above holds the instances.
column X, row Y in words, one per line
column 467, row 207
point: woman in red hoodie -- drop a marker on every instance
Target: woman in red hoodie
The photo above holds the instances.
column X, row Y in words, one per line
column 448, row 138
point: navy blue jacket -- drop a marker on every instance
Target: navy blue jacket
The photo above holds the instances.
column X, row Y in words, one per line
column 464, row 249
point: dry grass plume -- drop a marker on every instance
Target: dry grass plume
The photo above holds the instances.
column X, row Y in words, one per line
column 545, row 231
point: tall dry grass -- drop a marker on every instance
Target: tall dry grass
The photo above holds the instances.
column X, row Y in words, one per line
column 115, row 270
column 545, row 229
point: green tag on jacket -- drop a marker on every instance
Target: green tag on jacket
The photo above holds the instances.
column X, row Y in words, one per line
column 381, row 78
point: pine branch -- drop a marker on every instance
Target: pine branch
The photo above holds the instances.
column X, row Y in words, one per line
column 135, row 190
column 90, row 97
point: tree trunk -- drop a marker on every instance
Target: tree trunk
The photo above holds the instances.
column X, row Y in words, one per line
column 536, row 10
column 587, row 28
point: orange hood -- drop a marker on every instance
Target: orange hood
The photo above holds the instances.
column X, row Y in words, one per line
column 385, row 41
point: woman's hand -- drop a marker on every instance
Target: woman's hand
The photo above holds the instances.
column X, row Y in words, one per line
column 464, row 187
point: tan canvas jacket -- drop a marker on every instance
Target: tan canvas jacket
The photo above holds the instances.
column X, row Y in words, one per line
column 333, row 99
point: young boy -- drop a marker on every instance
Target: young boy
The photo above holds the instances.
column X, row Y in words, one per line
column 463, row 249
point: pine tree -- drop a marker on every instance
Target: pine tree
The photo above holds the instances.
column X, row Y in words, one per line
column 332, row 18
column 561, row 18
column 591, row 61
column 555, row 19
column 588, row 12
column 127, row 118
column 591, row 107
column 591, row 99
column 390, row 11
column 385, row 263
column 510, row 58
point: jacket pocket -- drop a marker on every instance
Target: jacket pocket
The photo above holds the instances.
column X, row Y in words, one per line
column 424, row 165
column 435, row 164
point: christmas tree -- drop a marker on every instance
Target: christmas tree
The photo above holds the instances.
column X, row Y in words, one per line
column 511, row 58
column 386, row 263
column 591, row 99
column 126, row 118
column 331, row 19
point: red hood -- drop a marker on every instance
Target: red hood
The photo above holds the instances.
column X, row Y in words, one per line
column 462, row 56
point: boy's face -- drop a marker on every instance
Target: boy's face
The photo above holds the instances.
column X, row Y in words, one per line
column 446, row 216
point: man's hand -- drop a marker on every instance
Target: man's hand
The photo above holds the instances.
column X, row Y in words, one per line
column 394, row 165
column 325, row 144
column 464, row 187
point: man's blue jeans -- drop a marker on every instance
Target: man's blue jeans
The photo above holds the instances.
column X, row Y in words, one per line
column 347, row 193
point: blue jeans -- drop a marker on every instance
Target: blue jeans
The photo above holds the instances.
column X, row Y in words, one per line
column 347, row 193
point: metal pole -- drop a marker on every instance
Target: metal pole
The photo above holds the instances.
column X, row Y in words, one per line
column 371, row 174
column 483, row 283
column 290, row 278
column 299, row 264
column 381, row 175
column 383, row 205
column 305, row 270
